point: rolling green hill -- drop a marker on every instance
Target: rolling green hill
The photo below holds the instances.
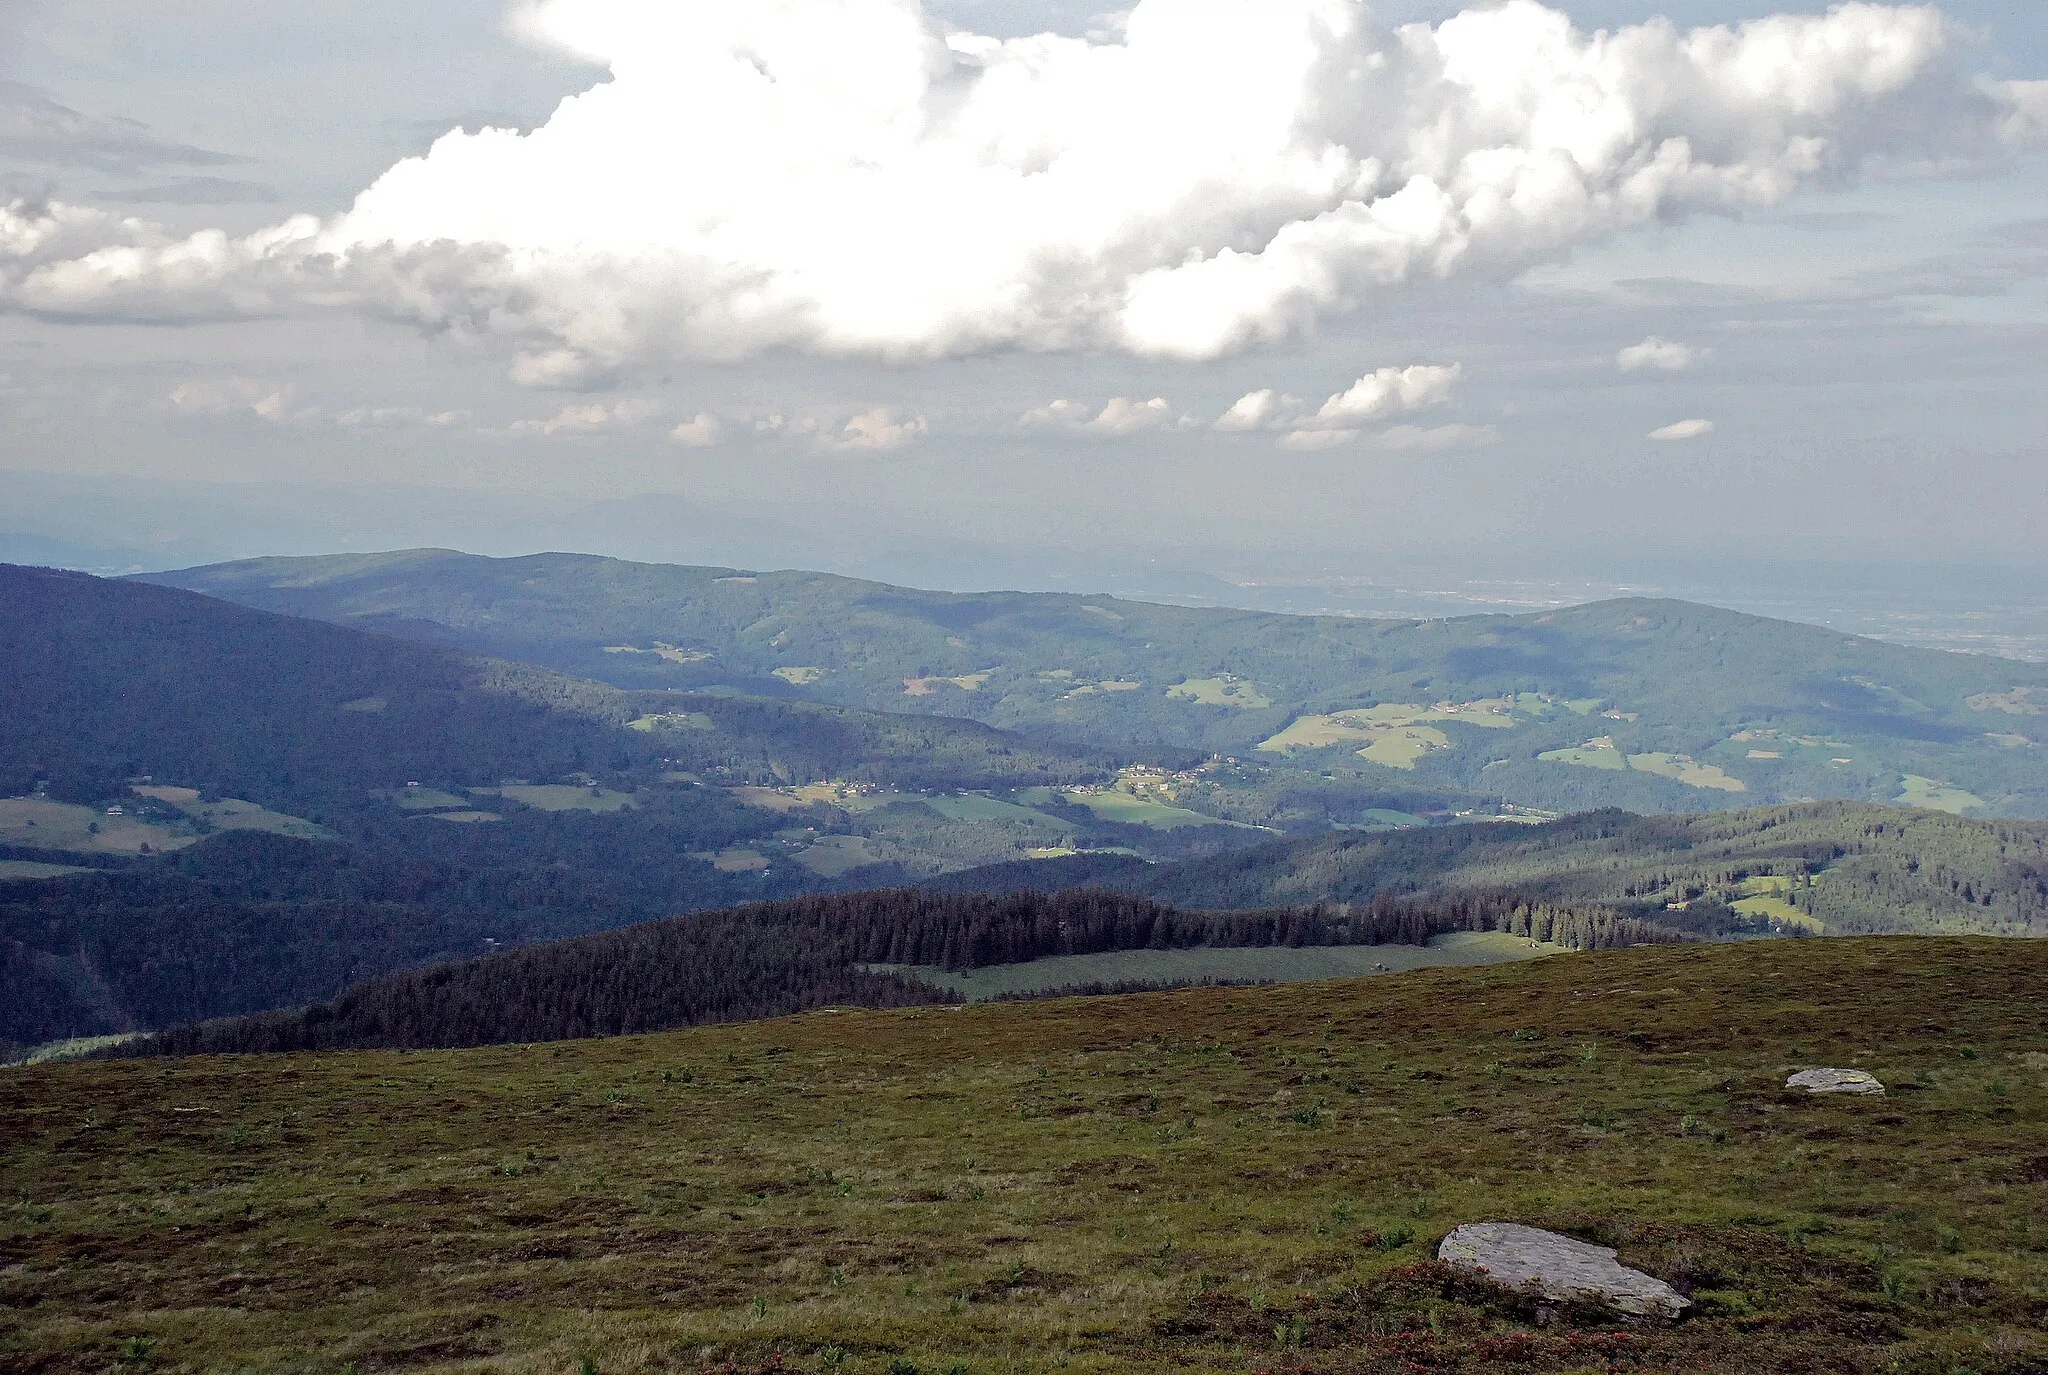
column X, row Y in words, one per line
column 1226, row 1180
column 1652, row 705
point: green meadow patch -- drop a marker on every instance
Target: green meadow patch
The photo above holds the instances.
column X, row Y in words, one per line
column 1224, row 690
column 1278, row 964
column 559, row 797
column 1937, row 796
column 1602, row 753
column 19, row 870
column 47, row 825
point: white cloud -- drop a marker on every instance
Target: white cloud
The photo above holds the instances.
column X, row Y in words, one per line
column 700, row 432
column 233, row 395
column 1660, row 355
column 853, row 177
column 1071, row 414
column 1390, row 391
column 874, row 431
column 1684, row 429
column 1375, row 396
column 1258, row 410
column 1120, row 415
column 590, row 418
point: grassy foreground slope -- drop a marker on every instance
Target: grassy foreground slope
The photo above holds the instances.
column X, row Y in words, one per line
column 1229, row 1180
column 1652, row 705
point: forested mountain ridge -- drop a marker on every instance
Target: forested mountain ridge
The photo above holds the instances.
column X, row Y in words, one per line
column 776, row 959
column 1654, row 705
column 102, row 681
column 105, row 681
column 1834, row 868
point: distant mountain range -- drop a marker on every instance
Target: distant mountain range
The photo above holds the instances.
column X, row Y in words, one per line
column 210, row 809
column 1651, row 705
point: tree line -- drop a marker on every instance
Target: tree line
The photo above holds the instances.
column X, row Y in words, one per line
column 776, row 959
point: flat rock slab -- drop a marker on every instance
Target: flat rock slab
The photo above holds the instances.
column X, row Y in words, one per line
column 1557, row 1267
column 1835, row 1081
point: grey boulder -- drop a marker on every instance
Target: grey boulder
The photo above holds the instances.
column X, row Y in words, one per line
column 1835, row 1081
column 1550, row 1266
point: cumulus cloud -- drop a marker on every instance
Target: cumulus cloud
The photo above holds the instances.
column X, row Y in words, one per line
column 1258, row 410
column 233, row 396
column 1390, row 391
column 1684, row 429
column 1658, row 355
column 699, row 432
column 590, row 418
column 1375, row 396
column 1120, row 415
column 856, row 178
column 874, row 431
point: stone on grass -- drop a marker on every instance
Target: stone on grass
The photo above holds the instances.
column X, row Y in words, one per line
column 1550, row 1266
column 1835, row 1081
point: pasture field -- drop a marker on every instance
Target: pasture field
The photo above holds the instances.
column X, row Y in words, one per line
column 1386, row 817
column 233, row 814
column 1937, row 796
column 1764, row 896
column 1248, row 1179
column 1140, row 811
column 1594, row 754
column 1225, row 690
column 17, row 870
column 831, row 856
column 47, row 825
column 1277, row 964
column 73, row 1049
column 674, row 720
column 1373, row 724
column 559, row 797
column 1402, row 747
column 1687, row 770
column 423, row 799
column 973, row 807
column 1602, row 753
column 465, row 818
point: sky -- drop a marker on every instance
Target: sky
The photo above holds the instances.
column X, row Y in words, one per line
column 973, row 292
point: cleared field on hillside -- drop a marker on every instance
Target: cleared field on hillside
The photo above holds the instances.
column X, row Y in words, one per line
column 1140, row 811
column 47, row 825
column 233, row 814
column 1215, row 1180
column 1263, row 964
column 1938, row 796
column 559, row 797
column 19, row 870
column 1224, row 690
